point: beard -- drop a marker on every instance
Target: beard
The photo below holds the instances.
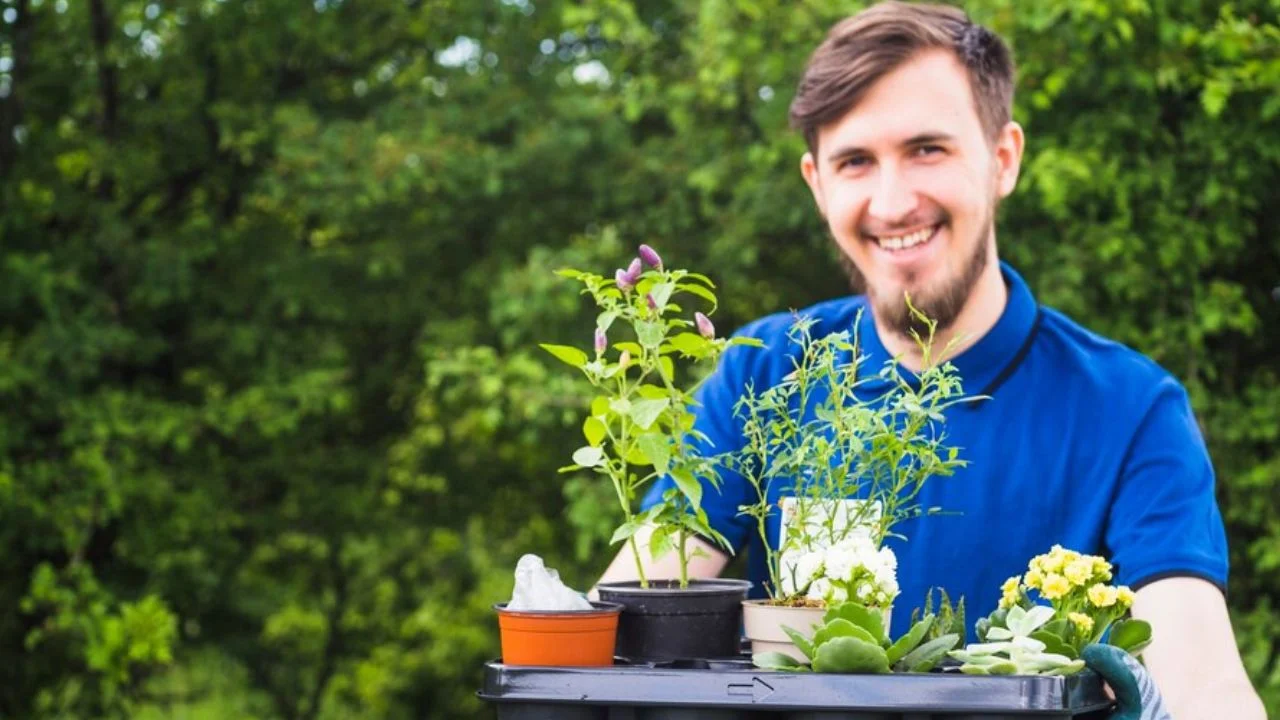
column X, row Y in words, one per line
column 941, row 304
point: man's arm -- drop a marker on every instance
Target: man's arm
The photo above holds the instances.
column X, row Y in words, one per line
column 708, row 563
column 1193, row 656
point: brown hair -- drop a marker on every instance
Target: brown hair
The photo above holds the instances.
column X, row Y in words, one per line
column 861, row 49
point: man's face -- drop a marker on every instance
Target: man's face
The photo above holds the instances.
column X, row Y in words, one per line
column 908, row 183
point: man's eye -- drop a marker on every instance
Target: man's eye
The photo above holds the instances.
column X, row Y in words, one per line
column 928, row 150
column 855, row 161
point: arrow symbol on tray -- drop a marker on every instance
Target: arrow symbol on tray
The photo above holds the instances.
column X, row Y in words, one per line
column 757, row 689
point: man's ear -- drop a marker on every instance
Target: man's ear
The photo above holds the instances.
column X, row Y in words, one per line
column 1008, row 158
column 809, row 169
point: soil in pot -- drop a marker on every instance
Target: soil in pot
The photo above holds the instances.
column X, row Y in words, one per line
column 573, row 638
column 667, row 622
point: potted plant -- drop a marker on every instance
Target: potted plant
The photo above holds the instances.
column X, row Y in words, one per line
column 839, row 468
column 548, row 624
column 640, row 428
column 1023, row 637
column 853, row 639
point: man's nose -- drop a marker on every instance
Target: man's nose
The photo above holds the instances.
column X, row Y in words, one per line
column 892, row 199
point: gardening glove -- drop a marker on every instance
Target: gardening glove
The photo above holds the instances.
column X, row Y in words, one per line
column 1136, row 695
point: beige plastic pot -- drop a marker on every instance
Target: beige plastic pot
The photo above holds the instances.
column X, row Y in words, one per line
column 763, row 623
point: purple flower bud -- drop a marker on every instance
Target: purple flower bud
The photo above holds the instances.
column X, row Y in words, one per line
column 601, row 341
column 625, row 282
column 650, row 256
column 653, row 304
column 634, row 270
column 704, row 326
column 624, row 359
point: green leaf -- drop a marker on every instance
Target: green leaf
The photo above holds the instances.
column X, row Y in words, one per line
column 594, row 430
column 689, row 486
column 600, row 406
column 655, row 448
column 701, row 292
column 776, row 661
column 974, row 670
column 850, row 655
column 864, row 617
column 625, row 531
column 633, row 348
column 588, row 456
column 928, row 655
column 660, row 543
column 605, row 319
column 650, row 332
column 1055, row 644
column 645, row 411
column 841, row 627
column 747, row 341
column 908, row 642
column 803, row 643
column 1002, row 668
column 667, row 368
column 568, row 354
column 662, row 293
column 690, row 344
column 1132, row 636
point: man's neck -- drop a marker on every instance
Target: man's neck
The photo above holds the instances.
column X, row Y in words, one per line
column 980, row 313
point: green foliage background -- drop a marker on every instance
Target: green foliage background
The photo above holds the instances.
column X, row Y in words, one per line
column 273, row 427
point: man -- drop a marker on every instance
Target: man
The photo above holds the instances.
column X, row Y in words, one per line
column 906, row 113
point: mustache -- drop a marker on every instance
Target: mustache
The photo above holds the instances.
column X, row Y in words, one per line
column 876, row 229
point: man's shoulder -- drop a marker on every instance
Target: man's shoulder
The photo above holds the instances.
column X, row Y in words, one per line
column 1102, row 364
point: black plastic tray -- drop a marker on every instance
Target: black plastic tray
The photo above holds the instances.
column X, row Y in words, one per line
column 716, row 690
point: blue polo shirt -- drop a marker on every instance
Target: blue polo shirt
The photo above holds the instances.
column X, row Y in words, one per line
column 1083, row 442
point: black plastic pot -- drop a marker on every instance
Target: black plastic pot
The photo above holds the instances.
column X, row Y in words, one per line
column 667, row 622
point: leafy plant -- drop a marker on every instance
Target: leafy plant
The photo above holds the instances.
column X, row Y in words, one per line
column 1024, row 637
column 818, row 434
column 852, row 639
column 949, row 619
column 640, row 426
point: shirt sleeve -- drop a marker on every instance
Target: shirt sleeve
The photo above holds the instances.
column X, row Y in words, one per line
column 1164, row 520
column 714, row 417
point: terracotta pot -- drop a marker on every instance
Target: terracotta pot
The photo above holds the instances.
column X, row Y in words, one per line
column 763, row 625
column 575, row 637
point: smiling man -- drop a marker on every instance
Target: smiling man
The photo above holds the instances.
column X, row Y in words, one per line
column 906, row 112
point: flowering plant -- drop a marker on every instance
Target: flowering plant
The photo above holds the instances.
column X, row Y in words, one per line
column 816, row 435
column 640, row 425
column 853, row 639
column 1026, row 637
column 851, row 569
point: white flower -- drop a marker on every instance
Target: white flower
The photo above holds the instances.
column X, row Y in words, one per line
column 800, row 570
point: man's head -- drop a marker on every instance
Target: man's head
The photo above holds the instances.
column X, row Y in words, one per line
column 906, row 112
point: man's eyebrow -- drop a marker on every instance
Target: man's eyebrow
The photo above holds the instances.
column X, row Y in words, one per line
column 923, row 138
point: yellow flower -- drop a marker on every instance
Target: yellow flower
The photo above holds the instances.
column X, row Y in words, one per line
column 1035, row 579
column 1011, row 585
column 1079, row 572
column 1081, row 621
column 1125, row 596
column 1055, row 586
column 1101, row 568
column 1103, row 595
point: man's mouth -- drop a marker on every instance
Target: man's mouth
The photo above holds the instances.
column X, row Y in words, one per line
column 898, row 243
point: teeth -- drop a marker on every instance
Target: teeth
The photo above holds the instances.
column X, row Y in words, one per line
column 905, row 241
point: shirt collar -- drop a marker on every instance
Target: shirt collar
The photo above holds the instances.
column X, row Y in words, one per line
column 983, row 365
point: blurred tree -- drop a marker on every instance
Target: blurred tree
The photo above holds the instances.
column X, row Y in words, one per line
column 273, row 430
